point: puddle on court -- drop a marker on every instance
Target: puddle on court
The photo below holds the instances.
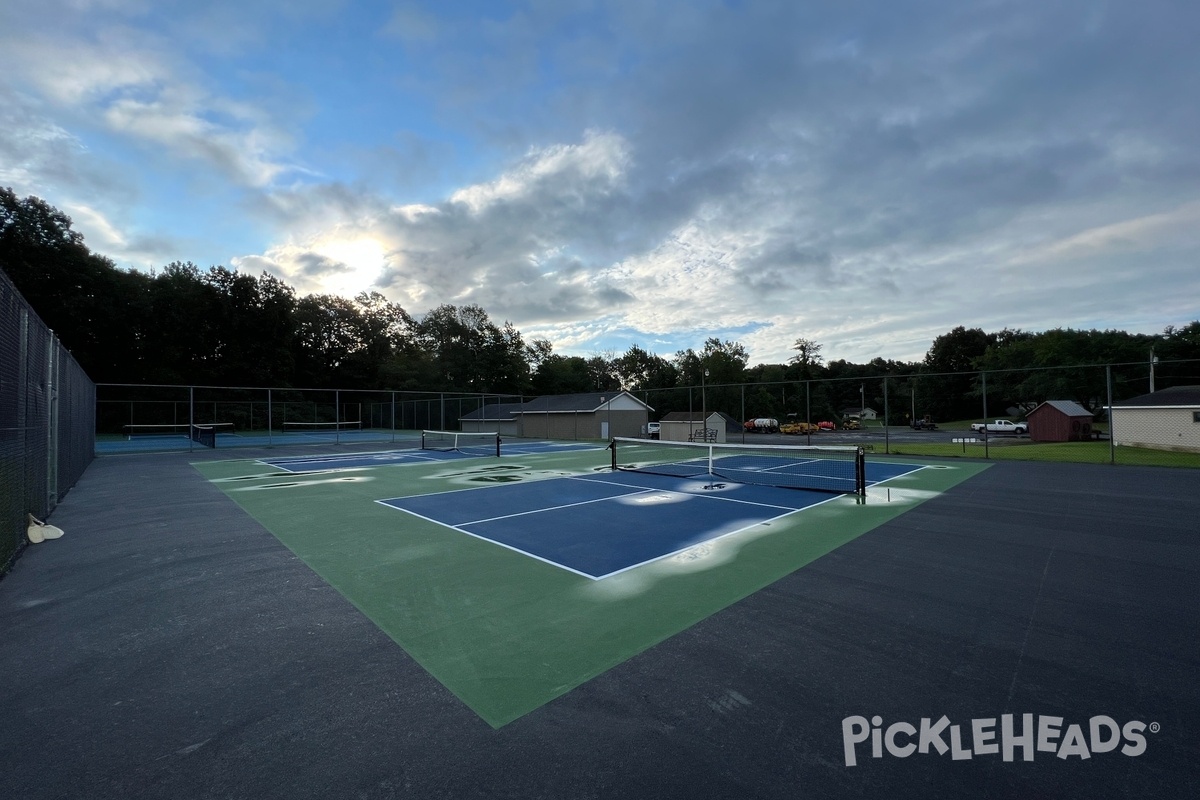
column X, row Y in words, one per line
column 697, row 558
column 878, row 495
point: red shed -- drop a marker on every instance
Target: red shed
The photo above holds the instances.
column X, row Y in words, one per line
column 1060, row 421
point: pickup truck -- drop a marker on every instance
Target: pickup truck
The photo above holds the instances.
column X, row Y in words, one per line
column 1000, row 426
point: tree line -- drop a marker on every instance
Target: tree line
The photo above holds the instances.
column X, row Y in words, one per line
column 186, row 325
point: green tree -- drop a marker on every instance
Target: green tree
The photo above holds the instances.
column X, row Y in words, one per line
column 471, row 353
column 807, row 361
column 1062, row 364
column 640, row 370
column 952, row 385
column 79, row 295
column 327, row 335
column 558, row 374
column 602, row 372
column 1178, row 351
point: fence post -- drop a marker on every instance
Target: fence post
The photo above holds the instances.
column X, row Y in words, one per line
column 808, row 408
column 52, row 422
column 1112, row 429
column 742, row 421
column 983, row 386
column 886, row 416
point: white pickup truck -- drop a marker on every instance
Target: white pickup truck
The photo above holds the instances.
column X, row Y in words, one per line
column 1000, row 426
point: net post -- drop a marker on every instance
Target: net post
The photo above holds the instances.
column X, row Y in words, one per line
column 860, row 472
column 497, row 445
column 612, row 445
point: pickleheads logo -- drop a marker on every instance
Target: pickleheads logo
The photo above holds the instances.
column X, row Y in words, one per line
column 981, row 737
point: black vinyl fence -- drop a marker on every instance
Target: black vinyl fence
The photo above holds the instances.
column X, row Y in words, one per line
column 47, row 420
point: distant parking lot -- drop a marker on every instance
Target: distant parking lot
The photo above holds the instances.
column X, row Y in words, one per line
column 867, row 435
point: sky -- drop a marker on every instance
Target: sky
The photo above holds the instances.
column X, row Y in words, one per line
column 863, row 175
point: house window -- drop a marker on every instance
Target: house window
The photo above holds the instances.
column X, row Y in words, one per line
column 1196, row 416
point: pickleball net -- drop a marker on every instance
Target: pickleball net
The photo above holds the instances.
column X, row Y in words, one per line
column 472, row 444
column 822, row 468
column 206, row 433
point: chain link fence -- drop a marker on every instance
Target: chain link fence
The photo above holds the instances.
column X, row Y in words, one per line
column 159, row 418
column 1139, row 413
column 1144, row 413
column 47, row 422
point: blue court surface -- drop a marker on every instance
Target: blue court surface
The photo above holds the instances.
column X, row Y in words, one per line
column 606, row 523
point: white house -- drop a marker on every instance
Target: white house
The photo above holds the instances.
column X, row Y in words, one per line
column 1165, row 420
column 684, row 426
column 590, row 415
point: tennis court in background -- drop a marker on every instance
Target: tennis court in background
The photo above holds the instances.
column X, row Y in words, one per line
column 174, row 437
column 514, row 579
column 311, row 463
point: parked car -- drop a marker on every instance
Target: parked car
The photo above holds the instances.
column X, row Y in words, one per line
column 925, row 424
column 652, row 429
column 826, row 425
column 1000, row 426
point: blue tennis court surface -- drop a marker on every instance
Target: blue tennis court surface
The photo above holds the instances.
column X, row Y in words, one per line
column 602, row 524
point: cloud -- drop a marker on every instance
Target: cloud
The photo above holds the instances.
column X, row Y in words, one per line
column 506, row 244
column 36, row 152
column 1179, row 226
column 671, row 171
column 565, row 172
column 145, row 92
column 178, row 126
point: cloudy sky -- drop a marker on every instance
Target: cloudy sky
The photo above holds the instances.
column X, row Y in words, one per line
column 865, row 175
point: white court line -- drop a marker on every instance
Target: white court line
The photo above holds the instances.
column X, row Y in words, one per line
column 457, row 529
column 565, row 505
